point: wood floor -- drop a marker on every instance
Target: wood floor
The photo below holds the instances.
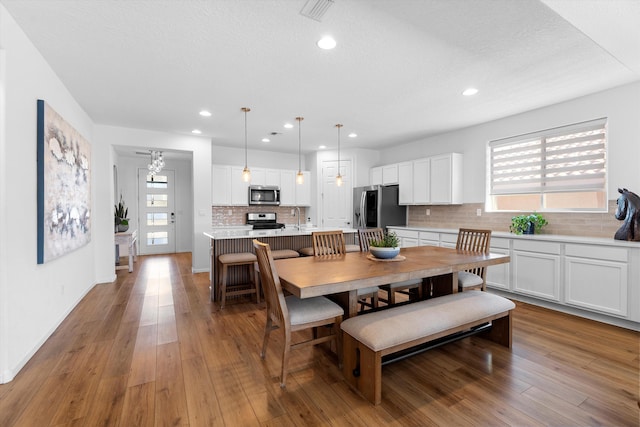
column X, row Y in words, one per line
column 150, row 349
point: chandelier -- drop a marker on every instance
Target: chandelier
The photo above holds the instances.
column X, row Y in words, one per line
column 246, row 173
column 156, row 163
column 299, row 175
column 339, row 177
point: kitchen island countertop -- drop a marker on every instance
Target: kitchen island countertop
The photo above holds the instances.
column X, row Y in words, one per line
column 244, row 232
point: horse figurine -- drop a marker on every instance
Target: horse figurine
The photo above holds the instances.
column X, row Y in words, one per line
column 628, row 211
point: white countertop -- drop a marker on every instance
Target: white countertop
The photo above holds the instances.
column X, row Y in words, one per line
column 246, row 232
column 540, row 237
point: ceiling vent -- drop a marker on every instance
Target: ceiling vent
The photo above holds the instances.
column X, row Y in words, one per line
column 315, row 9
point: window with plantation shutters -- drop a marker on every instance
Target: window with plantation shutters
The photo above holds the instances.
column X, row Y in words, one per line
column 560, row 169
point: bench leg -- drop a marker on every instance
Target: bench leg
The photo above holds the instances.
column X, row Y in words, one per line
column 362, row 368
column 500, row 331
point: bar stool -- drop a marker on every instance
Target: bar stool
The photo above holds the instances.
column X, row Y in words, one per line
column 237, row 259
column 279, row 254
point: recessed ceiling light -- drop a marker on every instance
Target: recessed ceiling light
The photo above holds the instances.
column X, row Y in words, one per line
column 322, row 147
column 205, row 113
column 288, row 125
column 470, row 91
column 352, row 135
column 266, row 140
column 326, row 42
column 196, row 131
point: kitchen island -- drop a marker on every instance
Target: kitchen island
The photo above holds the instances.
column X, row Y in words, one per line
column 226, row 240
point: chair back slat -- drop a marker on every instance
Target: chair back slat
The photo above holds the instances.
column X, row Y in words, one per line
column 366, row 235
column 273, row 294
column 473, row 240
column 328, row 243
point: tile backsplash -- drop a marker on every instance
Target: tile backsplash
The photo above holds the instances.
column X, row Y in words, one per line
column 236, row 215
column 568, row 224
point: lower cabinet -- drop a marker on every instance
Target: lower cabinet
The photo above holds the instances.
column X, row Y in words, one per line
column 592, row 277
column 536, row 269
column 597, row 279
column 407, row 238
column 498, row 275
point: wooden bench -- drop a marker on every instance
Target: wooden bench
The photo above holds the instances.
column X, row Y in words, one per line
column 369, row 337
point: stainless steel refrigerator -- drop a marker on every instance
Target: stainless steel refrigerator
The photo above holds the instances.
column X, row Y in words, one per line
column 377, row 206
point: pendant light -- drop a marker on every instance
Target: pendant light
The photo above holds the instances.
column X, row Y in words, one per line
column 246, row 173
column 339, row 177
column 299, row 175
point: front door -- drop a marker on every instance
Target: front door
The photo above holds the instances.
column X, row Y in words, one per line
column 336, row 201
column 156, row 212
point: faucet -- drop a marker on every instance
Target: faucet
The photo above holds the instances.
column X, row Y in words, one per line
column 298, row 215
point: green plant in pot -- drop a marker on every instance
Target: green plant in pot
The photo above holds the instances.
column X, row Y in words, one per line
column 120, row 214
column 527, row 224
column 387, row 247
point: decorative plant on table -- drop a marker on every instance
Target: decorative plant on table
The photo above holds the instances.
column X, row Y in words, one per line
column 121, row 220
column 387, row 247
column 389, row 240
column 527, row 224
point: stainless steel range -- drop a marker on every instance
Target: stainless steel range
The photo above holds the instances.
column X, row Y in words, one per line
column 263, row 220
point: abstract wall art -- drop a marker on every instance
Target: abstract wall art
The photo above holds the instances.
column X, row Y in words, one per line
column 64, row 186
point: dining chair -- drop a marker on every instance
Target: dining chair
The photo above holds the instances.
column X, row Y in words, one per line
column 332, row 243
column 293, row 314
column 328, row 243
column 473, row 241
column 366, row 236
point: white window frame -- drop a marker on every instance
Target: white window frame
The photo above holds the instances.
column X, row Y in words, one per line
column 566, row 159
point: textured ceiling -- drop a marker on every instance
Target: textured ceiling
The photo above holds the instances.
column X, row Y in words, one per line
column 396, row 75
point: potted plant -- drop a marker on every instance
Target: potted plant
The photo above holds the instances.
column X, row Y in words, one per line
column 387, row 247
column 121, row 220
column 527, row 224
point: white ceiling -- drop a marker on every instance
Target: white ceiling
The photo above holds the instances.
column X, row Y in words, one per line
column 396, row 75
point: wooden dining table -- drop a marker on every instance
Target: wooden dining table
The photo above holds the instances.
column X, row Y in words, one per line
column 342, row 275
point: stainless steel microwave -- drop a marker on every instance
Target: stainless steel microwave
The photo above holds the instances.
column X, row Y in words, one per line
column 264, row 195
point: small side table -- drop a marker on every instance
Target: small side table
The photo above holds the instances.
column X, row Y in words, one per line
column 129, row 238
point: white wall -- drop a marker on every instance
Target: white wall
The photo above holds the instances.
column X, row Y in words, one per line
column 34, row 298
column 255, row 158
column 621, row 105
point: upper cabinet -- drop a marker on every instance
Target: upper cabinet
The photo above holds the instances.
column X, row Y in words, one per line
column 390, row 174
column 375, row 175
column 384, row 175
column 405, row 181
column 303, row 191
column 433, row 180
column 446, row 179
column 230, row 190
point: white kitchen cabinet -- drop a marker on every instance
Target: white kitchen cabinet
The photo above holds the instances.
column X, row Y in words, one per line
column 390, row 174
column 446, row 179
column 596, row 278
column 239, row 188
column 407, row 238
column 287, row 188
column 273, row 177
column 258, row 176
column 433, row 180
column 221, row 185
column 421, row 181
column 428, row 238
column 375, row 176
column 448, row 240
column 303, row 191
column 405, row 183
column 536, row 269
column 591, row 277
column 498, row 275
